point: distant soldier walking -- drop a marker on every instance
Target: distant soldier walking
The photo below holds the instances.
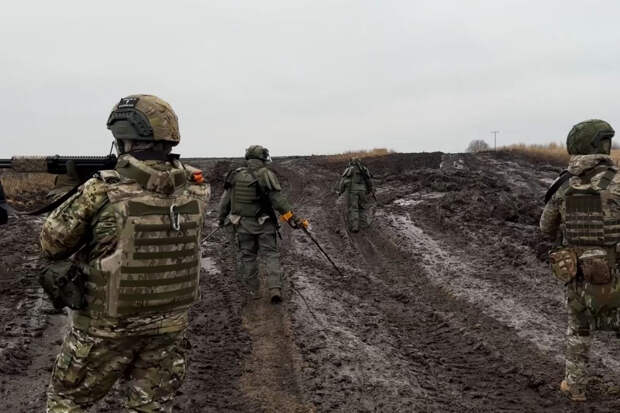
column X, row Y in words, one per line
column 134, row 233
column 251, row 195
column 584, row 204
column 356, row 181
column 4, row 214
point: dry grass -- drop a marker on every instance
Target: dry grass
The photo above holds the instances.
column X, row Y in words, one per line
column 345, row 156
column 553, row 152
column 21, row 185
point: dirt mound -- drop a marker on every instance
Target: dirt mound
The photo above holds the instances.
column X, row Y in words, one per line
column 447, row 304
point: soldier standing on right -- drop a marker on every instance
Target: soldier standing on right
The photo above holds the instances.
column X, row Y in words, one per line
column 586, row 209
column 356, row 181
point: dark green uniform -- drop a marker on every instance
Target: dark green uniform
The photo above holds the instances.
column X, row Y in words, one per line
column 252, row 193
column 356, row 181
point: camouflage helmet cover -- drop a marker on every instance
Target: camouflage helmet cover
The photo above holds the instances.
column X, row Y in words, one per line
column 585, row 137
column 151, row 117
column 257, row 152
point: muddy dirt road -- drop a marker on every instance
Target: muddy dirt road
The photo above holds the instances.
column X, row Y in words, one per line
column 447, row 304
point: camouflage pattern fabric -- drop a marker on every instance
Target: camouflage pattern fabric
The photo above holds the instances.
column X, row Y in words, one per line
column 249, row 246
column 356, row 181
column 89, row 218
column 590, row 307
column 578, row 340
column 88, row 366
column 148, row 347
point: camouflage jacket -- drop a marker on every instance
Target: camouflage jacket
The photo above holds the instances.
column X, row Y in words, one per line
column 270, row 185
column 553, row 215
column 86, row 227
column 356, row 178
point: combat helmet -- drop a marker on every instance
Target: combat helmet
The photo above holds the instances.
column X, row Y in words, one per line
column 144, row 118
column 257, row 152
column 587, row 137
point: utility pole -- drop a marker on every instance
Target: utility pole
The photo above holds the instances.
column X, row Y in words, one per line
column 495, row 132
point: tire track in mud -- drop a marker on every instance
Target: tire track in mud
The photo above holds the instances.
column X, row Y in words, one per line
column 455, row 357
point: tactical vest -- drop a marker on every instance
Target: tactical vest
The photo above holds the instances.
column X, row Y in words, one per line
column 245, row 200
column 156, row 265
column 589, row 220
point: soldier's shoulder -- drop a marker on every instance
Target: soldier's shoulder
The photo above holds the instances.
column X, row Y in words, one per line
column 268, row 178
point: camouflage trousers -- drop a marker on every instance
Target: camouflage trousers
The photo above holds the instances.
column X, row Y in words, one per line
column 88, row 366
column 250, row 246
column 581, row 298
column 578, row 341
column 358, row 213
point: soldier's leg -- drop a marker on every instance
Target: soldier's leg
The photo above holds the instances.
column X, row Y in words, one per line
column 269, row 251
column 85, row 370
column 364, row 210
column 248, row 266
column 353, row 211
column 578, row 341
column 158, row 372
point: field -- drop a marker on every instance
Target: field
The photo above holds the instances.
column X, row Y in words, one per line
column 553, row 153
column 447, row 304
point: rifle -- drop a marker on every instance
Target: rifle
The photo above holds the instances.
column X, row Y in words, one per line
column 78, row 168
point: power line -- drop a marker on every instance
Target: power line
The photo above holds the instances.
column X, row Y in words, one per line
column 495, row 132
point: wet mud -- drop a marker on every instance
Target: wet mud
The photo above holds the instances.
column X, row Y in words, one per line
column 447, row 303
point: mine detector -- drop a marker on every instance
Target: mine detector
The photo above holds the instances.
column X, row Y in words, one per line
column 75, row 169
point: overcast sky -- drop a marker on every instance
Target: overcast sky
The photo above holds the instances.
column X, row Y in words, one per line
column 304, row 77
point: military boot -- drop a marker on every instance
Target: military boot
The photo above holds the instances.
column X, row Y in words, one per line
column 573, row 393
column 276, row 295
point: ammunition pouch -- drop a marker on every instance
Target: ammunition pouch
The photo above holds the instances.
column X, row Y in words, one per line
column 594, row 266
column 563, row 264
column 64, row 284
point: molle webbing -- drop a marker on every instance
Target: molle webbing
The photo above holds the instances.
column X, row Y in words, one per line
column 245, row 200
column 157, row 269
column 584, row 219
column 175, row 178
column 138, row 209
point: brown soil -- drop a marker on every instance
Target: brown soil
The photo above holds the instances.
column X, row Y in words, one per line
column 447, row 304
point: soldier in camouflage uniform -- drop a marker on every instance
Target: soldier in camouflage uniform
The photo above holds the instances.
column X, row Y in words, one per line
column 134, row 236
column 583, row 207
column 4, row 215
column 356, row 181
column 251, row 195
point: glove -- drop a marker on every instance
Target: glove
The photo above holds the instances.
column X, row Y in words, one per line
column 294, row 221
column 300, row 223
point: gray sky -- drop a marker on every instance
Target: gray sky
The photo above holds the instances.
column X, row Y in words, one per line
column 303, row 77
